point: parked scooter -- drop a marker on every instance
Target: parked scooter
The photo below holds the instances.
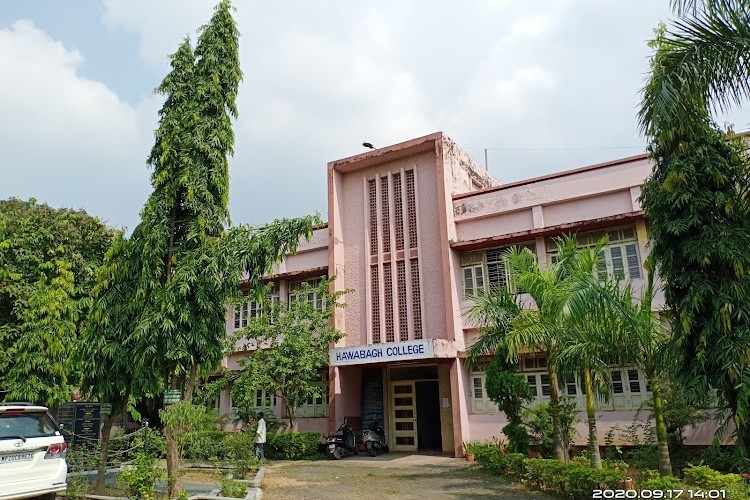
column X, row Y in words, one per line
column 374, row 439
column 343, row 443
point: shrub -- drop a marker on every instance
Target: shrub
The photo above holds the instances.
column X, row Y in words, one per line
column 513, row 465
column 707, row 478
column 721, row 459
column 662, row 483
column 140, row 477
column 205, row 445
column 644, row 457
column 151, row 441
column 616, row 465
column 484, row 453
column 232, row 489
column 545, row 474
column 580, row 482
column 293, row 445
column 580, row 461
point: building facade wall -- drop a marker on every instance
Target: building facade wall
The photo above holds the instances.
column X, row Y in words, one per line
column 460, row 213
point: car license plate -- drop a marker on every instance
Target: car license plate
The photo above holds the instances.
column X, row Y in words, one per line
column 16, row 457
column 331, row 446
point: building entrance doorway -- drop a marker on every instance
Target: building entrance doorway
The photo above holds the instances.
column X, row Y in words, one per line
column 429, row 436
column 414, row 408
column 404, row 415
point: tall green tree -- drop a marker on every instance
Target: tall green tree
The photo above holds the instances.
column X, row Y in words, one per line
column 292, row 350
column 48, row 259
column 696, row 198
column 182, row 265
column 696, row 201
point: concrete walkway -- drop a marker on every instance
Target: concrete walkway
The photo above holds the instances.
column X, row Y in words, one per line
column 392, row 475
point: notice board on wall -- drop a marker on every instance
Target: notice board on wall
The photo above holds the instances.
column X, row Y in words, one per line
column 372, row 397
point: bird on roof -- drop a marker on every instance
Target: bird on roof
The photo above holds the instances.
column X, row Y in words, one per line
column 368, row 145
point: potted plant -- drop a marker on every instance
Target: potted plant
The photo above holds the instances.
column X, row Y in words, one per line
column 468, row 448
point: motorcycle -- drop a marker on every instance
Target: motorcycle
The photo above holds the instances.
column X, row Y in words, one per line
column 374, row 439
column 343, row 443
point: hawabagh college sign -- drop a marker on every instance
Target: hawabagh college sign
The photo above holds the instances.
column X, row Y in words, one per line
column 381, row 353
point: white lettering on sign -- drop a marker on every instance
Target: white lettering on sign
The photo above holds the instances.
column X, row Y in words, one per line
column 376, row 353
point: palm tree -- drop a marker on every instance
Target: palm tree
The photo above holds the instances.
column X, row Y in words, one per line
column 506, row 323
column 595, row 329
column 648, row 350
column 700, row 64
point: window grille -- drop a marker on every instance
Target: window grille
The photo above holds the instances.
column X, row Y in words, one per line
column 411, row 208
column 416, row 306
column 373, row 216
column 375, row 302
column 385, row 207
column 388, row 302
column 403, row 323
column 398, row 214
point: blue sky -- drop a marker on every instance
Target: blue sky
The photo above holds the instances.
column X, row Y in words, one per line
column 544, row 85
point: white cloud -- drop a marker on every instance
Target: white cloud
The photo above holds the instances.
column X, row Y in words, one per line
column 62, row 130
column 527, row 27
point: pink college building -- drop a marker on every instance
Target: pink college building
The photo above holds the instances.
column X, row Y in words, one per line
column 415, row 228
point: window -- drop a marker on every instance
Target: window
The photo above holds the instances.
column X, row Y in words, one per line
column 618, row 259
column 617, row 382
column 307, row 291
column 480, row 402
column 317, row 406
column 571, row 388
column 473, row 280
column 487, row 270
column 265, row 401
column 253, row 309
column 246, row 311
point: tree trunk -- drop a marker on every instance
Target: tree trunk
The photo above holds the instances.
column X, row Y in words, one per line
column 102, row 470
column 665, row 464
column 173, row 464
column 560, row 449
column 190, row 387
column 290, row 411
column 596, row 459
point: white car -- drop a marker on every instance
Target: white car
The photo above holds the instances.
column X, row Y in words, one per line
column 32, row 453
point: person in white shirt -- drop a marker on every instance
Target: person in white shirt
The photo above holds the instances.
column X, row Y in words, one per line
column 260, row 437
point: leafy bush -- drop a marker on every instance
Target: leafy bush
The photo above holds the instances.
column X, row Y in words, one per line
column 616, row 465
column 580, row 461
column 662, row 483
column 724, row 460
column 707, row 478
column 484, row 453
column 140, row 477
column 538, row 422
column 205, row 445
column 545, row 474
column 513, row 465
column 580, row 482
column 151, row 441
column 292, row 445
column 644, row 457
column 232, row 489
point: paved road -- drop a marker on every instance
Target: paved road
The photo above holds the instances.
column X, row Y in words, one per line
column 387, row 476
